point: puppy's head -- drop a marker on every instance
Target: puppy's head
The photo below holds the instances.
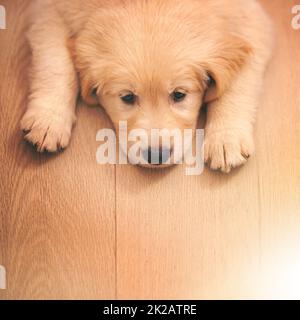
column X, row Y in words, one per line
column 154, row 66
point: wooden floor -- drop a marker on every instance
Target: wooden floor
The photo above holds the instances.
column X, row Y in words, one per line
column 70, row 228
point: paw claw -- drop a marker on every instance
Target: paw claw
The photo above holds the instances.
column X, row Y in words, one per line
column 227, row 149
column 46, row 130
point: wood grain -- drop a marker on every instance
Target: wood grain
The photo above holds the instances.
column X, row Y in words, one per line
column 218, row 236
column 57, row 212
column 70, row 228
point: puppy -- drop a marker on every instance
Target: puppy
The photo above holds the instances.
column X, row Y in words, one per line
column 152, row 63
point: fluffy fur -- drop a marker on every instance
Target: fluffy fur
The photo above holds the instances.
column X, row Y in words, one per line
column 150, row 48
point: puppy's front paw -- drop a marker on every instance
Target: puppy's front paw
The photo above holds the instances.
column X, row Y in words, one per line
column 47, row 130
column 227, row 149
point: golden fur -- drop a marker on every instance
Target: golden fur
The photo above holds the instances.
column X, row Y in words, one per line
column 150, row 48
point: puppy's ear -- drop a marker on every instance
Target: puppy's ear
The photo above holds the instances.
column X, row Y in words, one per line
column 88, row 92
column 223, row 66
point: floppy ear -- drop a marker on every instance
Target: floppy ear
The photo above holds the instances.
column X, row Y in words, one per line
column 88, row 91
column 224, row 64
column 87, row 88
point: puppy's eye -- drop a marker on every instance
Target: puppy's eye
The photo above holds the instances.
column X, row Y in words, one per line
column 129, row 99
column 211, row 81
column 94, row 93
column 178, row 96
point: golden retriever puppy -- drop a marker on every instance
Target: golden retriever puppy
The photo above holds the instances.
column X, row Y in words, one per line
column 152, row 63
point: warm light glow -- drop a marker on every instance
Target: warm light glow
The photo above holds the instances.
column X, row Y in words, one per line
column 281, row 275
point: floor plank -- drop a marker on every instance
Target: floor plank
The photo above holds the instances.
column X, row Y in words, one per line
column 278, row 160
column 57, row 212
column 218, row 236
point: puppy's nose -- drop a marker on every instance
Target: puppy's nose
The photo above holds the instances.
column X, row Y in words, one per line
column 157, row 156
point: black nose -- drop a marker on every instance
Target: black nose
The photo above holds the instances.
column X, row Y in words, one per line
column 157, row 156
